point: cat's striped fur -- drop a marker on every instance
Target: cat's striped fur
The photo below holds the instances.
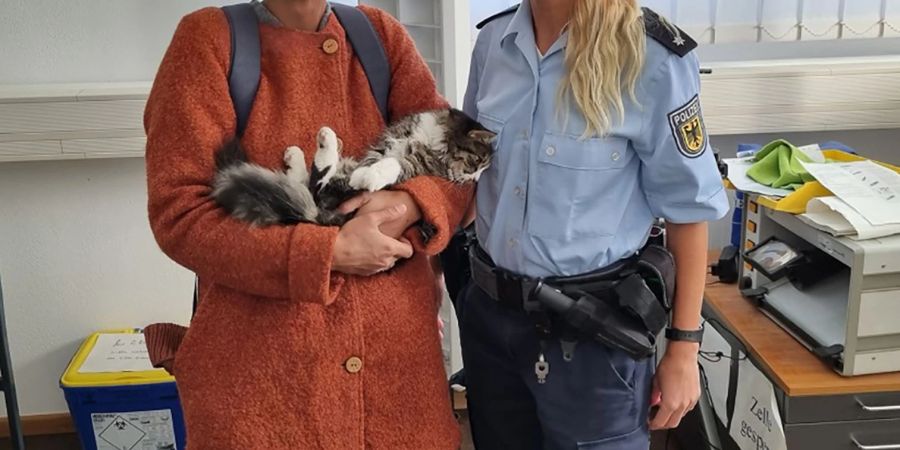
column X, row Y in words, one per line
column 444, row 143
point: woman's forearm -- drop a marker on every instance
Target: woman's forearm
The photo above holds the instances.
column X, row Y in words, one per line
column 689, row 244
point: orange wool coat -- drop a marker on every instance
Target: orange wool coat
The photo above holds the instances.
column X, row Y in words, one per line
column 283, row 353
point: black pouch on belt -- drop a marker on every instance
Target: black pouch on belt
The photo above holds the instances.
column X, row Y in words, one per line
column 628, row 315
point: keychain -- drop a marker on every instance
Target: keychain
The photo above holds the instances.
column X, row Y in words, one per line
column 541, row 369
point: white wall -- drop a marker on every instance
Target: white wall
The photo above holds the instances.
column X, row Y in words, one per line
column 76, row 253
column 76, row 256
column 50, row 41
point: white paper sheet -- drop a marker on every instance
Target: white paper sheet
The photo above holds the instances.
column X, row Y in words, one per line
column 813, row 152
column 834, row 216
column 737, row 174
column 757, row 422
column 870, row 189
column 117, row 353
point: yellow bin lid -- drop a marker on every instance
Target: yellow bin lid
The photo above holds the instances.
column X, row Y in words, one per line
column 72, row 378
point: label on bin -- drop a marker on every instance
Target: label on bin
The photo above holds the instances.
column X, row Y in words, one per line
column 135, row 430
column 117, row 353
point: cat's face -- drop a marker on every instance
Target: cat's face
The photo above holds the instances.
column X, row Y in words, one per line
column 470, row 145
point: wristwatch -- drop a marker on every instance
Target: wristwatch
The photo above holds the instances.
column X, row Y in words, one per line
column 674, row 334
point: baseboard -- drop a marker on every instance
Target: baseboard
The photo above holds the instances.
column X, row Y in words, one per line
column 41, row 425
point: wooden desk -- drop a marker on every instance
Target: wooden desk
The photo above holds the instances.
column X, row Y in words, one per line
column 820, row 409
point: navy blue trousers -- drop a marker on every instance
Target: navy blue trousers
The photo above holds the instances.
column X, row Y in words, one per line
column 597, row 401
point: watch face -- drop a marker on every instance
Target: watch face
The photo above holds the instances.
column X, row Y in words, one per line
column 773, row 256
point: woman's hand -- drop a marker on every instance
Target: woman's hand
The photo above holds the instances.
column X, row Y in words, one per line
column 362, row 249
column 676, row 385
column 374, row 201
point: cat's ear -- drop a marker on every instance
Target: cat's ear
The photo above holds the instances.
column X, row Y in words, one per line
column 340, row 145
column 484, row 136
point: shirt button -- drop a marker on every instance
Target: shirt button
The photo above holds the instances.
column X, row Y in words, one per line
column 551, row 150
column 524, row 134
column 330, row 46
column 615, row 156
column 353, row 365
column 519, row 191
column 513, row 242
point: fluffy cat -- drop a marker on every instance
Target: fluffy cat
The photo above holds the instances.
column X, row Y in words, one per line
column 444, row 143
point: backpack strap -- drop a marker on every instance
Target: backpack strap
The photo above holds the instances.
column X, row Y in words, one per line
column 243, row 75
column 370, row 51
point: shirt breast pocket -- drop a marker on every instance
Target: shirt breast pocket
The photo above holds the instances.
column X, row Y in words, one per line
column 576, row 186
column 493, row 124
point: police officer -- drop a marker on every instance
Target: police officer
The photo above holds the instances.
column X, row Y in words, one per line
column 600, row 132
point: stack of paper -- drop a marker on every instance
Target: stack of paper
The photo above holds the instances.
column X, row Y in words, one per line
column 867, row 202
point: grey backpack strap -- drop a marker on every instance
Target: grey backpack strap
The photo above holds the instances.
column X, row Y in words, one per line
column 243, row 75
column 369, row 50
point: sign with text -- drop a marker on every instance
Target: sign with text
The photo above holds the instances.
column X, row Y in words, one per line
column 117, row 353
column 756, row 424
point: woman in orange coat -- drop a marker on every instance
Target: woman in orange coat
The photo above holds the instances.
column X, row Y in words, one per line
column 300, row 340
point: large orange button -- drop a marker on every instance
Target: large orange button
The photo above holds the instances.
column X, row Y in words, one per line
column 330, row 46
column 353, row 365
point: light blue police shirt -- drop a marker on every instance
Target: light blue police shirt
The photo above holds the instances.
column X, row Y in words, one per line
column 554, row 204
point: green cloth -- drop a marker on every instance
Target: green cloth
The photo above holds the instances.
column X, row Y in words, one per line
column 778, row 165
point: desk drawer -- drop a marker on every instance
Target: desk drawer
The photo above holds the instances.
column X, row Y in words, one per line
column 859, row 435
column 836, row 408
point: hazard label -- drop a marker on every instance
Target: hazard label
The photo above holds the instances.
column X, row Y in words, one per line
column 136, row 430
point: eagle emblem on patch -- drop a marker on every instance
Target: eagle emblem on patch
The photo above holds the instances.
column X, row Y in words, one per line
column 688, row 128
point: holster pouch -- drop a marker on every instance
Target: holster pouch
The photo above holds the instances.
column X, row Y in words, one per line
column 629, row 314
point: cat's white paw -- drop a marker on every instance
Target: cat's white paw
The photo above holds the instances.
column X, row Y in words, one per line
column 296, row 171
column 327, row 155
column 327, row 139
column 377, row 176
column 294, row 158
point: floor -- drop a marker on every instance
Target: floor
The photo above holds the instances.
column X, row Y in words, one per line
column 70, row 442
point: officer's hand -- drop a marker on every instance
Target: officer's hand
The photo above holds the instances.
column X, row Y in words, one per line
column 378, row 200
column 676, row 385
column 362, row 249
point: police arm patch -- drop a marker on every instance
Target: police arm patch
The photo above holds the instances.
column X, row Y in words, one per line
column 688, row 128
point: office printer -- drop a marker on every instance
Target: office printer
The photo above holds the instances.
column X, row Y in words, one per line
column 838, row 296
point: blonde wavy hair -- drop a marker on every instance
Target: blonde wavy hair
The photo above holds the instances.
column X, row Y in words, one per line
column 604, row 57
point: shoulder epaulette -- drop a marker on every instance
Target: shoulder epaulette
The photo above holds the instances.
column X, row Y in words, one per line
column 667, row 34
column 500, row 14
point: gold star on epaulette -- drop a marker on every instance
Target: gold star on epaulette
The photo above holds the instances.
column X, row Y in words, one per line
column 679, row 41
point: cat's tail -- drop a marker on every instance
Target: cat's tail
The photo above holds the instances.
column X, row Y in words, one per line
column 231, row 154
column 258, row 195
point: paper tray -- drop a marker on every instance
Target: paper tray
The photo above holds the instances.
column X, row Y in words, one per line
column 820, row 311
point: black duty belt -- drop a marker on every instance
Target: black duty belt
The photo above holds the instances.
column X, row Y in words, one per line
column 514, row 290
column 624, row 305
